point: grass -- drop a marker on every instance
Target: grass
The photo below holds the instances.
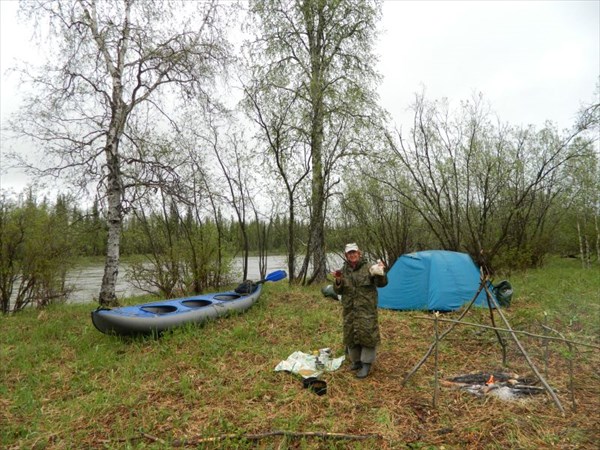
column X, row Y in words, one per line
column 65, row 385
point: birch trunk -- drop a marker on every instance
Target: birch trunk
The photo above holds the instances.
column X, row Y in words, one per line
column 597, row 237
column 107, row 296
column 317, row 88
column 581, row 249
column 114, row 183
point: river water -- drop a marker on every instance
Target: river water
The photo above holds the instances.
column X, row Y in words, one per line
column 86, row 281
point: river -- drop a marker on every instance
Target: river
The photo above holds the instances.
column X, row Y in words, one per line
column 86, row 281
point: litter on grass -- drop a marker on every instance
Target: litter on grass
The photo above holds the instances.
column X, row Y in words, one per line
column 310, row 365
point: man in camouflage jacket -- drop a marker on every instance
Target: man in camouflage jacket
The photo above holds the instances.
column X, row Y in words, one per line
column 356, row 282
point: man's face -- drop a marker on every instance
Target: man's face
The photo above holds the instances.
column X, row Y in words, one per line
column 353, row 256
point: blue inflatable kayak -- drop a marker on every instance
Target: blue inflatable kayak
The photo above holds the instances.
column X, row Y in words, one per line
column 156, row 317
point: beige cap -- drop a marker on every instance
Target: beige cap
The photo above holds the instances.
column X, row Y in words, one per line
column 352, row 247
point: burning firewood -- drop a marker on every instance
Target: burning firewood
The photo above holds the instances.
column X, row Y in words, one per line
column 504, row 385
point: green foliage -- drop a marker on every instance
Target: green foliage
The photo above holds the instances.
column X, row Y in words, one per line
column 462, row 183
column 37, row 249
column 181, row 255
column 384, row 225
column 563, row 291
column 312, row 93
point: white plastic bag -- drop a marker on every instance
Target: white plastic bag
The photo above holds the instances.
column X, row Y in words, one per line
column 305, row 364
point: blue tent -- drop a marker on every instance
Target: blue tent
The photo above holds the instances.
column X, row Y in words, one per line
column 433, row 280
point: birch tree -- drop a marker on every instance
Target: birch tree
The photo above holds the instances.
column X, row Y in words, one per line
column 114, row 60
column 232, row 165
column 583, row 188
column 287, row 154
column 318, row 53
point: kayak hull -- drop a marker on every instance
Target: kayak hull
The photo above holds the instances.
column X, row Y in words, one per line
column 156, row 317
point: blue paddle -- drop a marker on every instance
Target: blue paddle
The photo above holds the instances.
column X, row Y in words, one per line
column 274, row 276
column 247, row 287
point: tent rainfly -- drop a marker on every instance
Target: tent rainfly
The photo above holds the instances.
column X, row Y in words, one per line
column 433, row 280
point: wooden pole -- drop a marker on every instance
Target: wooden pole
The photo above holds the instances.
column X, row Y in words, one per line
column 433, row 346
column 442, row 336
column 436, row 358
column 525, row 354
column 526, row 333
column 484, row 280
column 545, row 342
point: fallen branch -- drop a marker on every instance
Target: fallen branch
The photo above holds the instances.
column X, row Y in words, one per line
column 153, row 438
column 258, row 436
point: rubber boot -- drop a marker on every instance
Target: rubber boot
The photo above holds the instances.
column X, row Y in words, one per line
column 354, row 356
column 356, row 365
column 364, row 370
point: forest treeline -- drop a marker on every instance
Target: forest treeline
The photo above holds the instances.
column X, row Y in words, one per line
column 134, row 115
column 508, row 206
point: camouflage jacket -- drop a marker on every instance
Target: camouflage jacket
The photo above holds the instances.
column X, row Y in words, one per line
column 359, row 304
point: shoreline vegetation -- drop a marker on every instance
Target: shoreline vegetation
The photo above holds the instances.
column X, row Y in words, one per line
column 66, row 385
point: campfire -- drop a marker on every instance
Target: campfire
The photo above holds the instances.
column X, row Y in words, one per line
column 504, row 385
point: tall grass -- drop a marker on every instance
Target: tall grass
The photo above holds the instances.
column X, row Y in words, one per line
column 65, row 385
column 564, row 293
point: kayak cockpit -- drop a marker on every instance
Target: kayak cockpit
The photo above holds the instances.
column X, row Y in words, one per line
column 226, row 297
column 159, row 309
column 196, row 303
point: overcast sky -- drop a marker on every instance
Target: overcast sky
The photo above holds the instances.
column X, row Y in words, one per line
column 532, row 60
